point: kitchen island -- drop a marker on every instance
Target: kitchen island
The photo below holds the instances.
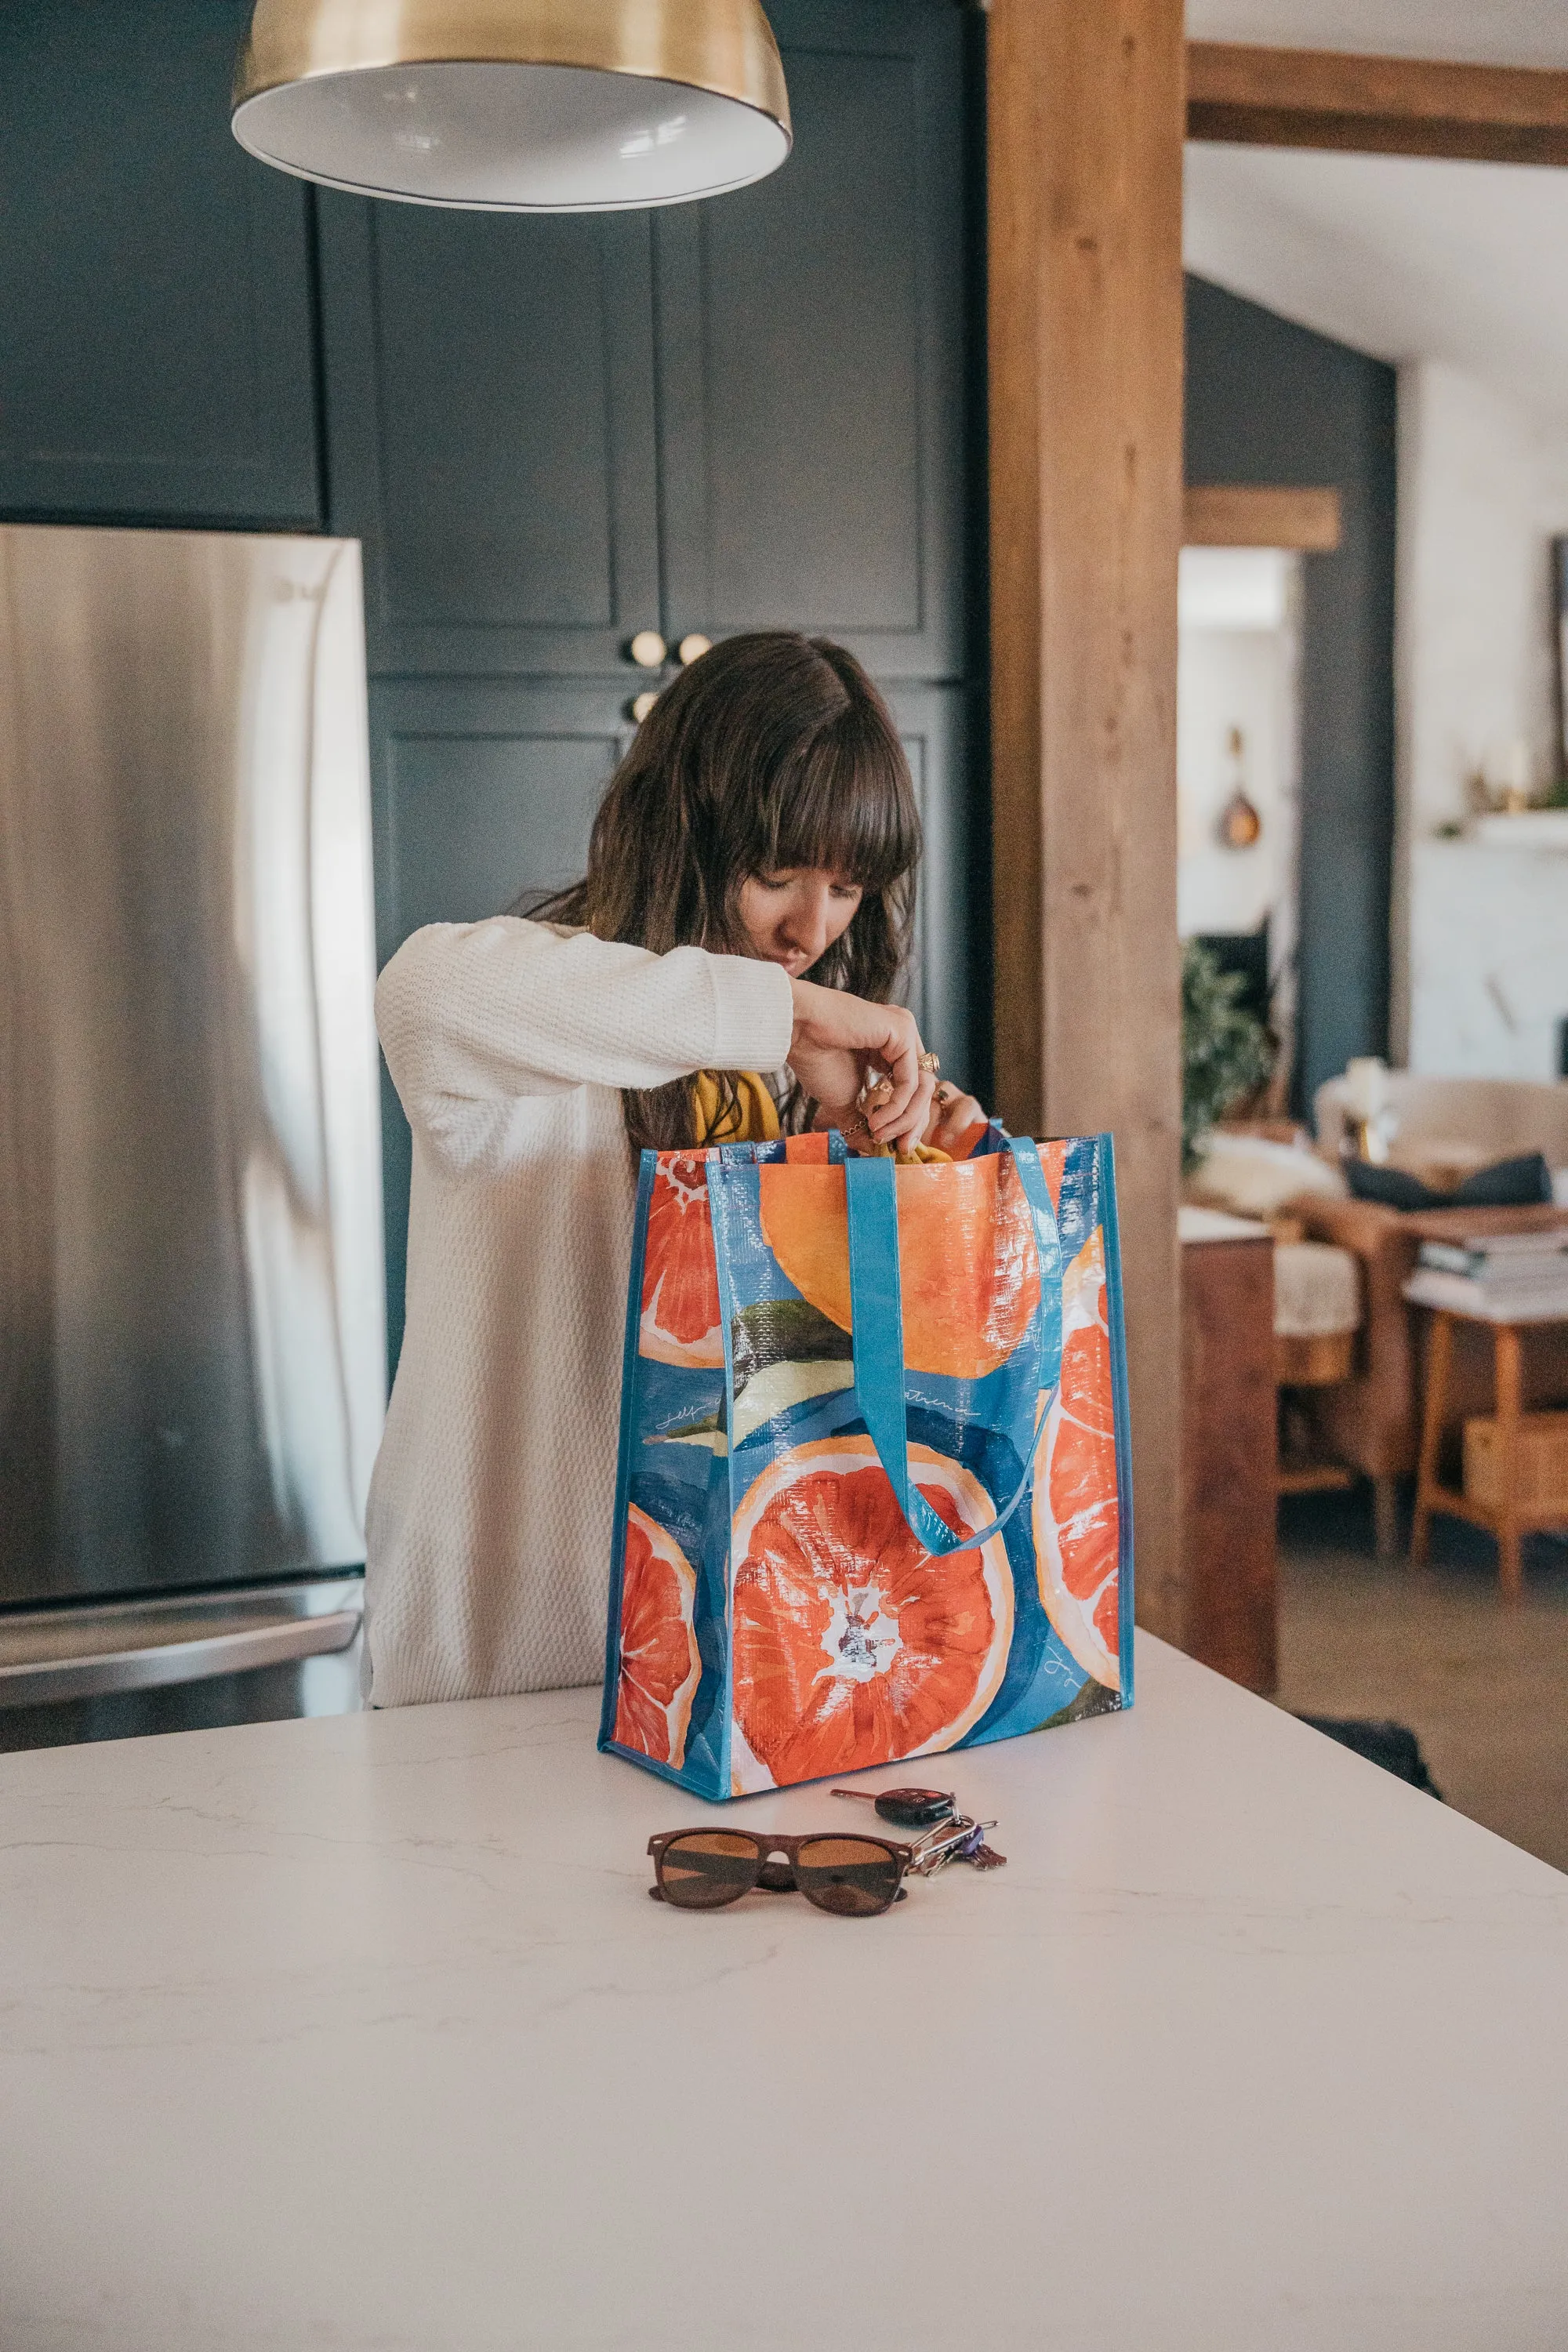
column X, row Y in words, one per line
column 362, row 2033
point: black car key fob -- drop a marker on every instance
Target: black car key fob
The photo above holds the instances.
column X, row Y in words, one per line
column 907, row 1808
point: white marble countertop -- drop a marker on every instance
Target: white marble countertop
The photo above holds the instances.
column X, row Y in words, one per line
column 363, row 2033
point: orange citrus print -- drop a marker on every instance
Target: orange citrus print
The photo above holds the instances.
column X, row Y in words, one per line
column 1076, row 1516
column 852, row 1644
column 680, row 1313
column 968, row 1265
column 659, row 1663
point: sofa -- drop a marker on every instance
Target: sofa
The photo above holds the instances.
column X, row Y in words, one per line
column 1455, row 1123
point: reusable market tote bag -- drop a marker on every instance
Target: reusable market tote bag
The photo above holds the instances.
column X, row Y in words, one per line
column 873, row 1498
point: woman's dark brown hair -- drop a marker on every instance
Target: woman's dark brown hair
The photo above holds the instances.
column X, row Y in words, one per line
column 772, row 751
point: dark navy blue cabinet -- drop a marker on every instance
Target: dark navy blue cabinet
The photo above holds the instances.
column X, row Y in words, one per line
column 157, row 358
column 552, row 434
column 491, row 397
column 811, row 347
column 757, row 412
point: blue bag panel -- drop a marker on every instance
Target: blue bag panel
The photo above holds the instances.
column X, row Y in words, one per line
column 1116, row 1318
column 667, row 1668
column 1080, row 1509
column 646, row 1169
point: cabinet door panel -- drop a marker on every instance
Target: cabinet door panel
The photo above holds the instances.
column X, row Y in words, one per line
column 157, row 362
column 947, row 987
column 489, row 392
column 484, row 789
column 811, row 333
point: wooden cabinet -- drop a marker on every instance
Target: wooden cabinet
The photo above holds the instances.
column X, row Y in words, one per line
column 156, row 282
column 1229, row 1449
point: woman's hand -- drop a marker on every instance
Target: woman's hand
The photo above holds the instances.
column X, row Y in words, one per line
column 955, row 1120
column 840, row 1041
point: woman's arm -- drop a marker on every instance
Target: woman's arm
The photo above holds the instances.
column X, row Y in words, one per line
column 474, row 1013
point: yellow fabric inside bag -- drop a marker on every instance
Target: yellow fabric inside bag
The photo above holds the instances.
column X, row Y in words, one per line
column 753, row 1117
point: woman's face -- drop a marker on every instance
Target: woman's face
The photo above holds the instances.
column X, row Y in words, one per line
column 792, row 918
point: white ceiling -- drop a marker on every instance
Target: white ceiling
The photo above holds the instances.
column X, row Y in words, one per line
column 1403, row 258
column 1489, row 32
column 1400, row 257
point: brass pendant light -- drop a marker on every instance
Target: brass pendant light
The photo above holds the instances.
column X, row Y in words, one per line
column 515, row 105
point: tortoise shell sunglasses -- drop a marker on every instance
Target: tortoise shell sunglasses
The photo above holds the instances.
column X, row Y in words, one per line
column 701, row 1870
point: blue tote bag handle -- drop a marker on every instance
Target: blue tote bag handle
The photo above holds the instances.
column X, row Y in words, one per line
column 876, row 1308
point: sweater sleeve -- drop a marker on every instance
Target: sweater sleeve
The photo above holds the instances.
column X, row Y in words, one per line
column 486, row 1014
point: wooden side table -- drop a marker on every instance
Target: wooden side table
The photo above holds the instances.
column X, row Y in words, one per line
column 1509, row 1520
column 1228, row 1446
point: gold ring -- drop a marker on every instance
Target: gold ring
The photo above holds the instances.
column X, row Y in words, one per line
column 930, row 1062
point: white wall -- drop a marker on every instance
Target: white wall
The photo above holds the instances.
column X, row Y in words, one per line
column 1236, row 667
column 1483, row 490
column 1488, row 955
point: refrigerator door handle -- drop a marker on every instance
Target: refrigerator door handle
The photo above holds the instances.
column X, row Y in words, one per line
column 221, row 1649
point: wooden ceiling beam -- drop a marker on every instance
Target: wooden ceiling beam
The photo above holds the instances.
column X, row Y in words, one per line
column 1381, row 106
column 1237, row 515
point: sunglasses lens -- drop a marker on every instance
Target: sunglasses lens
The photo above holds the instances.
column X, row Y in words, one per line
column 709, row 1868
column 849, row 1875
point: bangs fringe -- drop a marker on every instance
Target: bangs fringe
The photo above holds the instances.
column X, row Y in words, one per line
column 846, row 806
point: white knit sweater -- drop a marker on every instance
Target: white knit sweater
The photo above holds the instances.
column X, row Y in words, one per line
column 488, row 1527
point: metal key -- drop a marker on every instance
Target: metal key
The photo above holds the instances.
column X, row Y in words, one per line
column 950, row 1842
column 976, row 1850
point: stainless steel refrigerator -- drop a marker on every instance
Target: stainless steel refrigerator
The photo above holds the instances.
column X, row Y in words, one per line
column 193, row 1348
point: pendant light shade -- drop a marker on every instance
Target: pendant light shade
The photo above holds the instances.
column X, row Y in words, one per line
column 515, row 105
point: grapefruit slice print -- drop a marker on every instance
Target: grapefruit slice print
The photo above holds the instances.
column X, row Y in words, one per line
column 680, row 1312
column 659, row 1663
column 852, row 1645
column 1076, row 1516
column 969, row 1266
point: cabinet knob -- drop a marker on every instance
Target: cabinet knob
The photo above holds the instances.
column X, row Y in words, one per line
column 649, row 650
column 694, row 646
column 641, row 704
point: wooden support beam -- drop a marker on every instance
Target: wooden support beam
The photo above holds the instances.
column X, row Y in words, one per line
column 1085, row 110
column 1227, row 514
column 1380, row 106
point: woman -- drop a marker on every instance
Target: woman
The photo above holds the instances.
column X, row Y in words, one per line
column 761, row 829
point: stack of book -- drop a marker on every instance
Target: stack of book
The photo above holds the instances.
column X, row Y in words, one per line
column 1507, row 1277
